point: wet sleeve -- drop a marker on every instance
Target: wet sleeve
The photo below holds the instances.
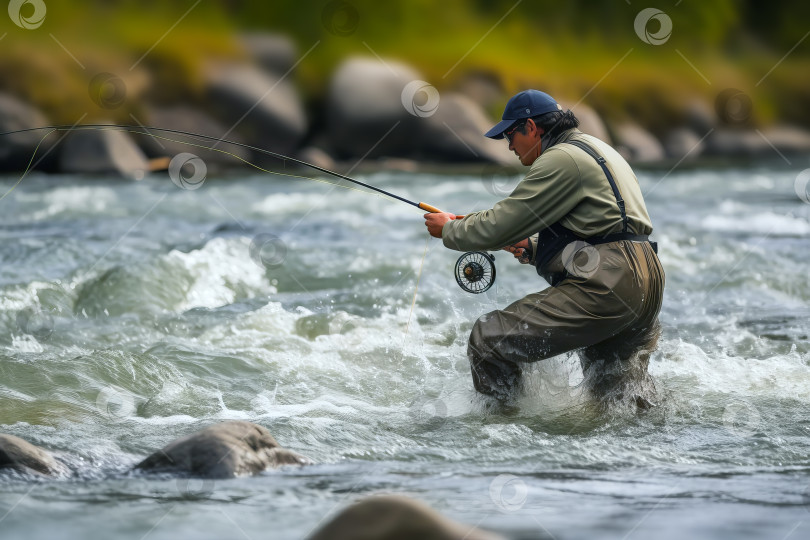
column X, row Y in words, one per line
column 551, row 190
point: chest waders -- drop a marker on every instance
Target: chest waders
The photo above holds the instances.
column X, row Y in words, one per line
column 553, row 239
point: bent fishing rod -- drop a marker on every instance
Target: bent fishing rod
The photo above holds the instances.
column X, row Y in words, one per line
column 474, row 271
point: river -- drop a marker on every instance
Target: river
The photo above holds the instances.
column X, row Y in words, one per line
column 133, row 313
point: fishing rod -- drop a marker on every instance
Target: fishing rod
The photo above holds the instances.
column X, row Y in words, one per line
column 474, row 271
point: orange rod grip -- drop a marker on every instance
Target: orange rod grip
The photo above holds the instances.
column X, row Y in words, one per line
column 429, row 208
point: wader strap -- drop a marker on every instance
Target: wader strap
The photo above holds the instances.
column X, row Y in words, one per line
column 601, row 161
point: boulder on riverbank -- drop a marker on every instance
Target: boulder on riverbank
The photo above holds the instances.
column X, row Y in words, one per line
column 96, row 151
column 185, row 118
column 16, row 149
column 396, row 518
column 223, row 450
column 265, row 109
column 20, row 455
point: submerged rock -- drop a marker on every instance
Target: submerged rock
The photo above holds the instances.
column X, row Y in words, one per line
column 22, row 456
column 223, row 450
column 396, row 518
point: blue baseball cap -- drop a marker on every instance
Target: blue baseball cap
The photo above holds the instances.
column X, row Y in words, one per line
column 523, row 105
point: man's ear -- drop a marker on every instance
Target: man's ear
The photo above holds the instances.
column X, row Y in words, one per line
column 540, row 131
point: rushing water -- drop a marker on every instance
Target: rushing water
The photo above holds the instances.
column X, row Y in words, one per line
column 133, row 313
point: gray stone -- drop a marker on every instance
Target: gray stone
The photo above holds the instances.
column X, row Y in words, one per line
column 682, row 143
column 94, row 151
column 189, row 119
column 364, row 111
column 396, row 518
column 788, row 139
column 22, row 456
column 699, row 116
column 736, row 143
column 263, row 108
column 274, row 52
column 223, row 450
column 16, row 149
column 637, row 144
column 482, row 87
column 589, row 121
column 455, row 133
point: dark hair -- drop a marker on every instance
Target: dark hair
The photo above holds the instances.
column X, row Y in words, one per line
column 553, row 121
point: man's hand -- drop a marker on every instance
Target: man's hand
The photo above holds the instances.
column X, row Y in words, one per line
column 435, row 221
column 519, row 251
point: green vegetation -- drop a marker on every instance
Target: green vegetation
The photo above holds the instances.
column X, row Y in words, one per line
column 565, row 48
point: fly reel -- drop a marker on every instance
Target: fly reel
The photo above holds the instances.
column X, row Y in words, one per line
column 475, row 271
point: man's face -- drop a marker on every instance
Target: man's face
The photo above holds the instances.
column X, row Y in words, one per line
column 526, row 146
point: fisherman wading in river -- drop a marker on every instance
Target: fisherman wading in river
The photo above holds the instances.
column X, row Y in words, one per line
column 579, row 217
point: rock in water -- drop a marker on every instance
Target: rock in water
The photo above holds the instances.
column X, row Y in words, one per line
column 396, row 518
column 22, row 456
column 223, row 450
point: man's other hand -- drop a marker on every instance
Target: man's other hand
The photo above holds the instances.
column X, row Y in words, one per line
column 519, row 251
column 435, row 221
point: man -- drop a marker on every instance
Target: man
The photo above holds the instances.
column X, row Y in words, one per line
column 580, row 218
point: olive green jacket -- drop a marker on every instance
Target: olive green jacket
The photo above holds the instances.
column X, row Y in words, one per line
column 564, row 185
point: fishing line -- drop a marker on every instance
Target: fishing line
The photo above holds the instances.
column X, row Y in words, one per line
column 144, row 130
